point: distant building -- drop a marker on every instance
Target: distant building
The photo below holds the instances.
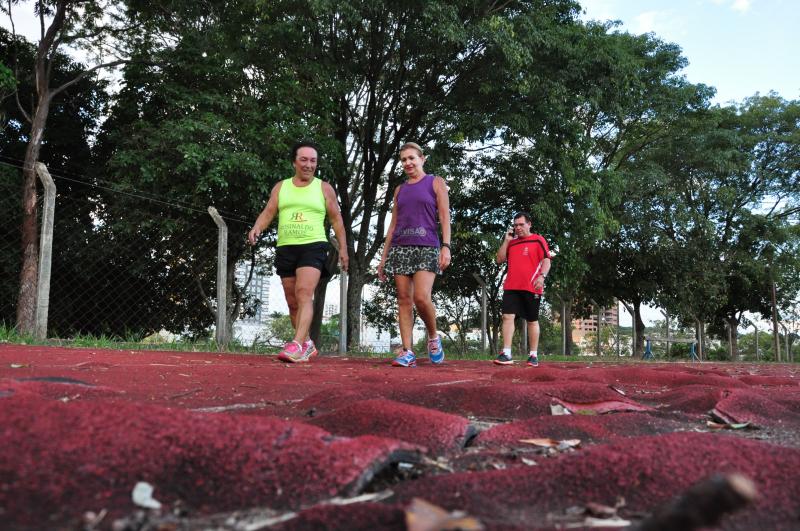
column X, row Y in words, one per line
column 246, row 330
column 582, row 327
column 329, row 311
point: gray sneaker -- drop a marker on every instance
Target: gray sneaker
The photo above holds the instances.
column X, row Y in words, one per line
column 504, row 359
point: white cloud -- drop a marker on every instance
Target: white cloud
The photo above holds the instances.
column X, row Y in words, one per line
column 646, row 22
column 599, row 9
column 741, row 5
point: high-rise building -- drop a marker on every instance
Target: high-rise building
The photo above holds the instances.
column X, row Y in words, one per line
column 249, row 329
column 257, row 290
column 581, row 327
column 329, row 311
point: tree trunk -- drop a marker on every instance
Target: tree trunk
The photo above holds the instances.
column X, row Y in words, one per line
column 733, row 324
column 566, row 323
column 28, row 275
column 355, row 285
column 233, row 295
column 637, row 318
column 319, row 309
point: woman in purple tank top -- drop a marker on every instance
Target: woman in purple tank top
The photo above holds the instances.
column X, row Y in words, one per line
column 412, row 251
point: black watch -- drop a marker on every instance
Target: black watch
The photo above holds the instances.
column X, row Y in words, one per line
column 447, row 245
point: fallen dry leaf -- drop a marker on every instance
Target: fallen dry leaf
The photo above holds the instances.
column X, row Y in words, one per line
column 727, row 426
column 558, row 409
column 425, row 516
column 552, row 443
column 548, row 443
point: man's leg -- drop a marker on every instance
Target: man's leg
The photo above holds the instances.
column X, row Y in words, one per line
column 532, row 317
column 508, row 329
column 533, row 335
column 405, row 309
column 306, row 282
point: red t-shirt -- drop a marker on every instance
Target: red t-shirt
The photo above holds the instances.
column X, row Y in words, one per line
column 524, row 256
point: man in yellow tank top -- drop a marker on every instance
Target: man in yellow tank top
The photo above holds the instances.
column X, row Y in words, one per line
column 301, row 204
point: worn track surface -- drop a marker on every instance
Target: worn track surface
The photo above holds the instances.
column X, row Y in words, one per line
column 229, row 441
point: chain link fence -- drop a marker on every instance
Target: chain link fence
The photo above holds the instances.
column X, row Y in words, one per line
column 124, row 266
column 140, row 269
column 10, row 242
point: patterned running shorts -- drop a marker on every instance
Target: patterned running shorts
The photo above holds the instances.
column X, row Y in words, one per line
column 408, row 259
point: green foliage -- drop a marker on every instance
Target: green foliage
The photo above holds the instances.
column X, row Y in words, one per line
column 72, row 124
column 8, row 83
column 280, row 328
column 647, row 192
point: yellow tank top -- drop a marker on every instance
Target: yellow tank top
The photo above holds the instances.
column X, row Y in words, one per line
column 301, row 213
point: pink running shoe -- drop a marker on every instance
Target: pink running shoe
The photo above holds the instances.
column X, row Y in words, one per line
column 293, row 352
column 309, row 350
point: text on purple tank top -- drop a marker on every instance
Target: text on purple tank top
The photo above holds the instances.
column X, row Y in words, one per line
column 417, row 215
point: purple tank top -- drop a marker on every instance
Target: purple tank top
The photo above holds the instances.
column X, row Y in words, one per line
column 417, row 215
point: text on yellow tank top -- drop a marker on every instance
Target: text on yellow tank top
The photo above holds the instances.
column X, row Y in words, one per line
column 301, row 213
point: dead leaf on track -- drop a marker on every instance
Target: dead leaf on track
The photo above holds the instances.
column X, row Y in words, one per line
column 552, row 443
column 425, row 516
column 558, row 409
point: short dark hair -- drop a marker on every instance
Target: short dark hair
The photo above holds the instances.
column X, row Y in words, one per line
column 523, row 215
column 302, row 144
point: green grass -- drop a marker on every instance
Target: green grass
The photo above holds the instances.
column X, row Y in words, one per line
column 9, row 334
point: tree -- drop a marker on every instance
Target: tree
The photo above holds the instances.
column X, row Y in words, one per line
column 85, row 25
column 209, row 121
column 440, row 73
column 611, row 99
column 73, row 121
column 731, row 181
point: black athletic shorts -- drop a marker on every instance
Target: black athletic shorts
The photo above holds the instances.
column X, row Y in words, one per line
column 289, row 257
column 522, row 304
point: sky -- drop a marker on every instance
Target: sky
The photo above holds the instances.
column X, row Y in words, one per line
column 740, row 47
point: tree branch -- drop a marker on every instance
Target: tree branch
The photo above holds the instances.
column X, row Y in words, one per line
column 85, row 73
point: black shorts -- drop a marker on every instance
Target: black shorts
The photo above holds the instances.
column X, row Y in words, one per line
column 289, row 257
column 522, row 304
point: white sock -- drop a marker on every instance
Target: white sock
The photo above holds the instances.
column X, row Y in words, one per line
column 507, row 351
column 533, row 353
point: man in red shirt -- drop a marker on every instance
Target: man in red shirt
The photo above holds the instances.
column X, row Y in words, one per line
column 528, row 259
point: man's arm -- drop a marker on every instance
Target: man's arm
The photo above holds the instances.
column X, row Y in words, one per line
column 502, row 252
column 538, row 282
column 267, row 215
column 545, row 267
column 335, row 217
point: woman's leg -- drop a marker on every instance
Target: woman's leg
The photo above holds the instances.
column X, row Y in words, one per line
column 423, row 286
column 405, row 309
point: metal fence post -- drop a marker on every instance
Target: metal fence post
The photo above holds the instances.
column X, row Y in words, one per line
column 45, row 252
column 342, row 312
column 222, row 278
column 484, row 323
column 758, row 354
column 563, row 327
column 666, row 325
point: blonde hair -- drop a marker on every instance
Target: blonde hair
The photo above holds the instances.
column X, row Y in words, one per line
column 412, row 145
